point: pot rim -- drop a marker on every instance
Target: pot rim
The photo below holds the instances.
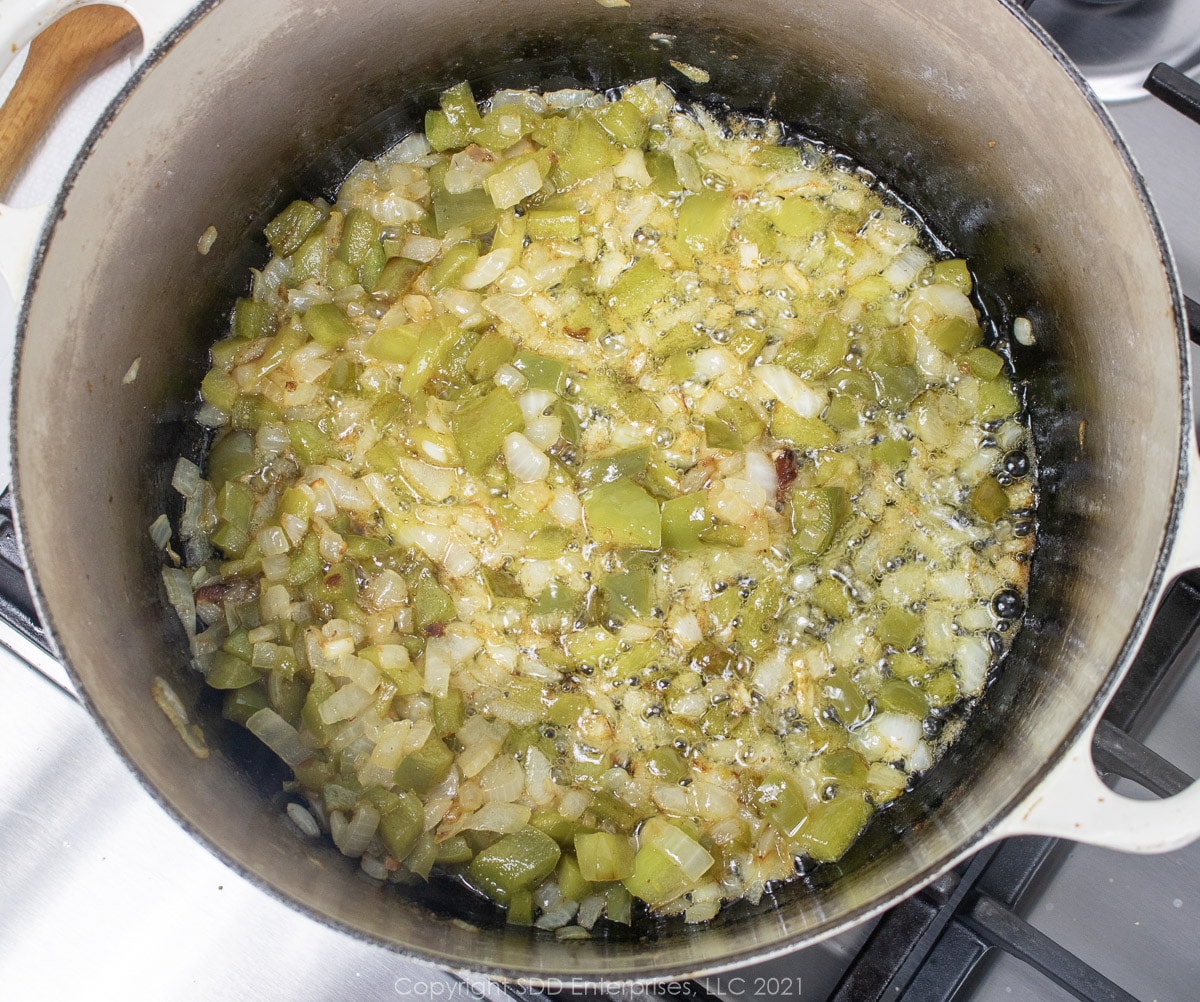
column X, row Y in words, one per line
column 660, row 972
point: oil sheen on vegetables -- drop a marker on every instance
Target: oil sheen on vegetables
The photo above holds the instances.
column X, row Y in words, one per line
column 606, row 503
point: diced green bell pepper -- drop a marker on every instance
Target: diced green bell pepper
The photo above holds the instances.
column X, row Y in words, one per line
column 326, row 324
column 517, row 862
column 604, row 856
column 816, row 516
column 989, row 500
column 640, row 287
column 251, row 319
column 426, row 767
column 480, row 426
column 622, row 514
column 705, row 220
column 286, row 232
column 898, row 628
column 683, row 520
column 401, row 822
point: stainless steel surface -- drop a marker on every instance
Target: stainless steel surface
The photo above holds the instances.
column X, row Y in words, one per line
column 104, row 896
column 1115, row 44
column 365, row 970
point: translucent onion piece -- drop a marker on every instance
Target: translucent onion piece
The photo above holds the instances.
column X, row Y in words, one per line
column 791, row 390
column 278, row 735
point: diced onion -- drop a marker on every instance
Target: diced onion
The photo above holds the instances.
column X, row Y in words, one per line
column 278, row 735
column 346, row 702
column 488, row 268
column 180, row 597
column 791, row 390
column 160, row 532
column 525, row 461
column 303, row 820
column 186, row 478
column 358, row 834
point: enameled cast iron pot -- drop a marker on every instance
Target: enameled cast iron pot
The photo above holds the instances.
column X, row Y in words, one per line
column 966, row 108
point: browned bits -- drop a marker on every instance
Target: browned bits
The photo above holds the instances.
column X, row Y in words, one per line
column 786, row 468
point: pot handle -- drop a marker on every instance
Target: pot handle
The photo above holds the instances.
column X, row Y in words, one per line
column 20, row 22
column 1072, row 802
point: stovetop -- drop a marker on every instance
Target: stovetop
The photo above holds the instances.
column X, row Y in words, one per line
column 103, row 896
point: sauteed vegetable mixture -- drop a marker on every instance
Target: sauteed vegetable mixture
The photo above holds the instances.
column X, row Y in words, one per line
column 607, row 503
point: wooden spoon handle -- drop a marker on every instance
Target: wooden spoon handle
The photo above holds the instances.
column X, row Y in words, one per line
column 64, row 55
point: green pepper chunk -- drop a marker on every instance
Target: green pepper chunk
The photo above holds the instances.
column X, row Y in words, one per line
column 361, row 232
column 783, row 802
column 667, row 764
column 954, row 272
column 473, row 209
column 606, row 469
column 989, row 500
column 627, row 594
column 454, row 850
column 898, row 628
column 286, row 232
column 705, row 220
column 311, row 260
column 622, row 514
column 997, row 400
column 799, row 216
column 490, row 352
column 816, row 515
column 230, row 672
column 395, row 277
column 219, row 389
column 683, row 520
column 453, row 264
column 480, row 426
column 426, row 767
column 310, row 444
column 571, row 881
column 554, row 223
column 449, row 712
column 846, row 699
column 984, row 363
column 326, row 324
column 542, row 372
column 604, row 856
column 241, row 704
column 251, row 412
column 401, row 822
column 394, row 344
column 955, row 336
column 833, row 597
column 588, row 151
column 640, row 287
column 517, row 862
column 831, row 827
column 667, row 863
column 431, row 604
column 251, row 319
column 433, row 344
column 231, row 457
column 897, row 696
column 624, row 121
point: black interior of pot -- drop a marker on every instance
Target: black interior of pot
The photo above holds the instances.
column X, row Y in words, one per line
column 957, row 108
